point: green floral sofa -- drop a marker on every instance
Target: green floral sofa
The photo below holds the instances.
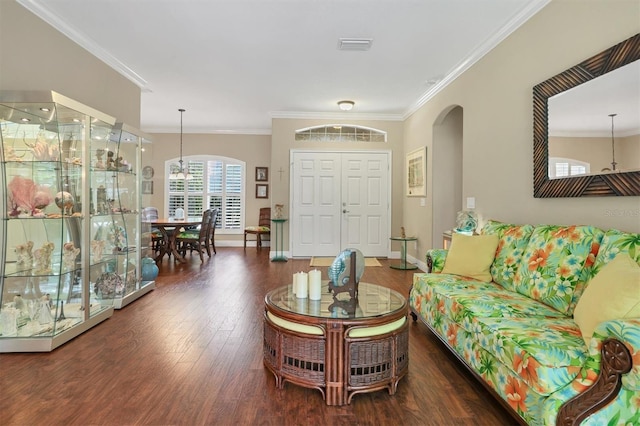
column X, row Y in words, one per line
column 517, row 332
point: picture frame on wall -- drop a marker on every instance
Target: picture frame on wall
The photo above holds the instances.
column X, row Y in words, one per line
column 147, row 187
column 416, row 180
column 262, row 174
column 262, row 190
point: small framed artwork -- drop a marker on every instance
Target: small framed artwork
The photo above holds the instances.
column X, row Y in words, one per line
column 147, row 187
column 262, row 190
column 262, row 174
column 417, row 173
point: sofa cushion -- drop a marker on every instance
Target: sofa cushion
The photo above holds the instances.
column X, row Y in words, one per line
column 541, row 347
column 471, row 256
column 513, row 239
column 556, row 264
column 546, row 353
column 463, row 298
column 614, row 293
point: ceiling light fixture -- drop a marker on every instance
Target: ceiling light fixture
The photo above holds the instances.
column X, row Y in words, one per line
column 346, row 105
column 181, row 174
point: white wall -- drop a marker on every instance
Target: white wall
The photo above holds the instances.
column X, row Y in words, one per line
column 496, row 97
column 35, row 56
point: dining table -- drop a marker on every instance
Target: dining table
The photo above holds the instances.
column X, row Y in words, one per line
column 170, row 228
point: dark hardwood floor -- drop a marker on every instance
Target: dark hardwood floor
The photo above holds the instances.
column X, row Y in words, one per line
column 190, row 353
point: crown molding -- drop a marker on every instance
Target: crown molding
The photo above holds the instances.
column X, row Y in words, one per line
column 520, row 18
column 336, row 116
column 47, row 15
column 209, row 131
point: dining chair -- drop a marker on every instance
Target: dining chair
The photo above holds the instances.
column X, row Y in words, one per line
column 196, row 239
column 263, row 228
column 157, row 239
column 211, row 243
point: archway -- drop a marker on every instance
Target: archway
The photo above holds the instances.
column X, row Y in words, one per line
column 446, row 171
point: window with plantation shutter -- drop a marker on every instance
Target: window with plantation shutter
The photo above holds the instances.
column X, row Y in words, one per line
column 218, row 182
column 565, row 167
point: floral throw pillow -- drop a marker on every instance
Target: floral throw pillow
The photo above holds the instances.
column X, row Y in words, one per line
column 556, row 264
column 513, row 239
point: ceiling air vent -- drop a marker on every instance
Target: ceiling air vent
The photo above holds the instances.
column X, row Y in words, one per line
column 354, row 43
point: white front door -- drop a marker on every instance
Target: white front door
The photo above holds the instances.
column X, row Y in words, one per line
column 340, row 200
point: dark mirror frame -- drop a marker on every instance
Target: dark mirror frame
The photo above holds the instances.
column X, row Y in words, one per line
column 610, row 184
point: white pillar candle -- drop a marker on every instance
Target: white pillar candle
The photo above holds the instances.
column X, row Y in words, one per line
column 294, row 283
column 302, row 290
column 315, row 285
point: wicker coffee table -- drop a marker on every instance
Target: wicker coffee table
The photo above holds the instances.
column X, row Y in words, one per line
column 339, row 346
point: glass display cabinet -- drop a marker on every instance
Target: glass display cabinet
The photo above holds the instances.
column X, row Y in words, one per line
column 54, row 283
column 115, row 218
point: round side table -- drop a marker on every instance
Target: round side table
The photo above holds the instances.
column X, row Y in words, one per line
column 279, row 241
column 403, row 253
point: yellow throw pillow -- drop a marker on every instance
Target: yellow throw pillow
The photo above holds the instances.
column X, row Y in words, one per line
column 471, row 256
column 614, row 293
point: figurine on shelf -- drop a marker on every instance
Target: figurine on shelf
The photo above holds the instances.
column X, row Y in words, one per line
column 10, row 154
column 64, row 201
column 110, row 161
column 24, row 254
column 119, row 164
column 99, row 164
column 97, row 248
column 403, row 234
column 43, row 259
column 101, row 198
column 278, row 211
column 44, row 314
column 69, row 254
column 18, row 303
column 42, row 150
column 74, row 160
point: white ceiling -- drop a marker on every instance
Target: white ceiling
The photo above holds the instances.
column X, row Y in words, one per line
column 236, row 64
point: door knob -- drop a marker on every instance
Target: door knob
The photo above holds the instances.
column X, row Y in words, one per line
column 345, row 211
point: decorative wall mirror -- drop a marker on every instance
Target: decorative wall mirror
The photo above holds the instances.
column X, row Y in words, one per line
column 618, row 182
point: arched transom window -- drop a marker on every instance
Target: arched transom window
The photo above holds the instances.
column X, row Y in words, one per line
column 340, row 133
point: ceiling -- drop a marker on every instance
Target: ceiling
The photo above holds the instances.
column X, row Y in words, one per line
column 236, row 64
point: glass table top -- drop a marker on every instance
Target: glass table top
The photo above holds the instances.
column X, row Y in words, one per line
column 372, row 301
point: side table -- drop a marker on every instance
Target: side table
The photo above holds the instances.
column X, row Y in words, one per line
column 279, row 241
column 403, row 253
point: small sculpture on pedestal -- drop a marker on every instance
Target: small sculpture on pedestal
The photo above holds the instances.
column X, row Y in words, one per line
column 466, row 222
column 42, row 258
column 24, row 256
column 44, row 314
column 278, row 211
column 69, row 254
column 111, row 163
column 61, row 316
column 99, row 163
column 345, row 272
column 64, row 200
column 97, row 248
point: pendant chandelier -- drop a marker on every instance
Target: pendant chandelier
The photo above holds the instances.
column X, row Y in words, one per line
column 613, row 145
column 181, row 173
